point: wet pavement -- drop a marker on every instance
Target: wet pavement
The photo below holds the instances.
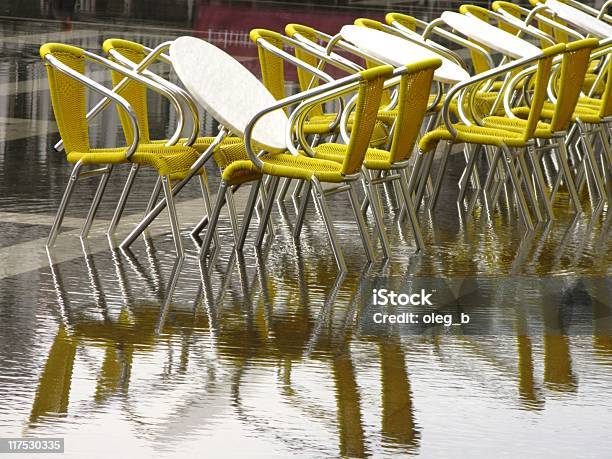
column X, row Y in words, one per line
column 273, row 354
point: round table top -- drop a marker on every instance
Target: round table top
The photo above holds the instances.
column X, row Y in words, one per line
column 227, row 90
column 580, row 19
column 397, row 51
column 489, row 35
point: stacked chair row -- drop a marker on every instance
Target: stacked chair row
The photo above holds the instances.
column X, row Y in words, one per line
column 534, row 97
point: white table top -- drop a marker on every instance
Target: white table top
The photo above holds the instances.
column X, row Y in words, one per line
column 397, row 51
column 227, row 90
column 580, row 19
column 489, row 35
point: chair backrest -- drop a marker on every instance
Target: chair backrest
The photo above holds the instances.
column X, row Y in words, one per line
column 402, row 19
column 415, row 86
column 540, row 83
column 135, row 93
column 68, row 96
column 376, row 25
column 368, row 102
column 272, row 66
column 516, row 11
column 573, row 70
column 479, row 63
column 305, row 79
column 606, row 97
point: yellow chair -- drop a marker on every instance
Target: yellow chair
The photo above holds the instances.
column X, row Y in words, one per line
column 413, row 100
column 569, row 83
column 309, row 36
column 552, row 26
column 131, row 54
column 313, row 171
column 273, row 77
column 67, row 82
column 504, row 140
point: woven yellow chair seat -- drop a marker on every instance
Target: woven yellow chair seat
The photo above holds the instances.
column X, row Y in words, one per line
column 285, row 165
column 585, row 111
column 319, row 124
column 483, row 104
column 374, row 159
column 472, row 134
column 518, row 125
column 202, row 143
column 173, row 161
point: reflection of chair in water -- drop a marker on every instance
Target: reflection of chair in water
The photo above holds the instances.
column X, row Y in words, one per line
column 276, row 321
column 119, row 334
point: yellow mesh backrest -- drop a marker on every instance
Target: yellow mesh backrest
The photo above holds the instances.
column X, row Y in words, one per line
column 540, row 82
column 305, row 78
column 403, row 19
column 134, row 92
column 68, row 96
column 606, row 98
column 272, row 67
column 559, row 35
column 573, row 69
column 483, row 14
column 368, row 102
column 412, row 105
column 371, row 24
column 479, row 62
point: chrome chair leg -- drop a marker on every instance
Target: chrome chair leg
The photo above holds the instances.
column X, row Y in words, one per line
column 590, row 154
column 490, row 180
column 412, row 216
column 282, row 194
column 61, row 211
column 265, row 217
column 153, row 199
column 248, row 214
column 299, row 221
column 263, row 197
column 529, row 185
column 524, row 209
column 231, row 209
column 174, row 224
column 93, row 209
column 425, row 181
column 319, row 198
column 214, row 218
column 467, row 173
column 416, row 170
column 535, row 164
column 363, row 229
column 127, row 188
column 297, row 191
column 567, row 174
column 431, row 205
column 203, row 178
column 375, row 201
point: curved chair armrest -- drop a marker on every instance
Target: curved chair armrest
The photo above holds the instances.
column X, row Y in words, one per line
column 434, row 27
column 105, row 100
column 543, row 19
column 113, row 97
column 313, row 95
column 590, row 10
column 316, row 72
column 501, row 70
column 523, row 28
column 178, row 92
column 320, row 51
column 160, row 89
column 602, row 12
